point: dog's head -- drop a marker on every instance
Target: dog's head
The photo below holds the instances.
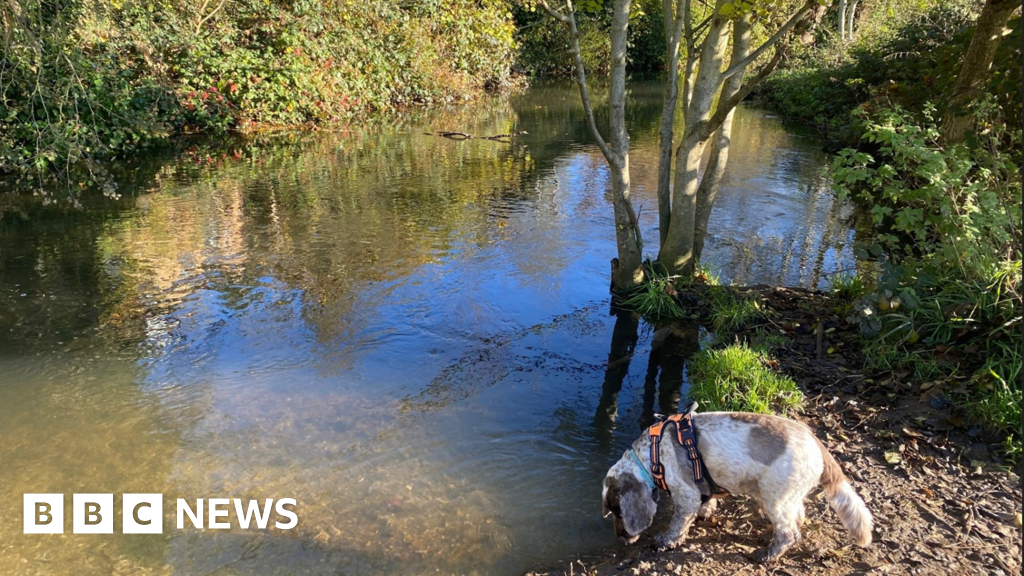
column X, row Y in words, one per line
column 630, row 501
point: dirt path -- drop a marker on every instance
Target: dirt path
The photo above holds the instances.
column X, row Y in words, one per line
column 943, row 501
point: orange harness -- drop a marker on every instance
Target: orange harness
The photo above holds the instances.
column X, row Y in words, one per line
column 686, row 435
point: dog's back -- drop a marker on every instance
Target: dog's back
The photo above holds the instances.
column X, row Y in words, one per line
column 777, row 461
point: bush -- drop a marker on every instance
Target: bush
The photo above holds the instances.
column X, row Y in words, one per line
column 93, row 81
column 738, row 378
column 948, row 229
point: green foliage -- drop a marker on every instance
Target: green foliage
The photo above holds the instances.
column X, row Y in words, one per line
column 93, row 81
column 544, row 47
column 948, row 220
column 738, row 378
column 729, row 313
column 655, row 300
column 995, row 395
column 904, row 54
column 954, row 206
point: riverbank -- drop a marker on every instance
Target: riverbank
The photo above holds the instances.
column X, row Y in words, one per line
column 946, row 303
column 944, row 500
column 95, row 83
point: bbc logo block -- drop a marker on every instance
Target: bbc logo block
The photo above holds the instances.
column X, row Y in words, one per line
column 142, row 513
column 94, row 513
column 44, row 513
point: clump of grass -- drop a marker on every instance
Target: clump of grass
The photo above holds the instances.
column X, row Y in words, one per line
column 655, row 301
column 996, row 398
column 847, row 287
column 738, row 378
column 768, row 341
column 729, row 313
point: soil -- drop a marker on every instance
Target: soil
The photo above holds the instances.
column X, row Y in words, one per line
column 943, row 501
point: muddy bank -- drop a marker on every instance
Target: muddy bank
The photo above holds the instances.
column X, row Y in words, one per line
column 943, row 500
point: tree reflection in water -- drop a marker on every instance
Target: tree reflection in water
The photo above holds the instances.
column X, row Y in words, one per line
column 671, row 347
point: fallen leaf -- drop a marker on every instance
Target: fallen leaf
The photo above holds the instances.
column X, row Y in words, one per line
column 893, row 456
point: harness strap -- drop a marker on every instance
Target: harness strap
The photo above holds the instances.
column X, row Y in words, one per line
column 687, row 438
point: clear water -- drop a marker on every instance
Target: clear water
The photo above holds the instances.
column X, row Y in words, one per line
column 408, row 334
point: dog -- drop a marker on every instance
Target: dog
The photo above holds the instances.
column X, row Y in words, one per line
column 774, row 460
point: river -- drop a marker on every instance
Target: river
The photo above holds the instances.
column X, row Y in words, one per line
column 407, row 334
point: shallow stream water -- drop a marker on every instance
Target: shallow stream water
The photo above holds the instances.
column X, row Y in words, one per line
column 410, row 335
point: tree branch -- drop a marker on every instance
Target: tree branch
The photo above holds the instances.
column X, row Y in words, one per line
column 708, row 127
column 581, row 81
column 554, row 14
column 792, row 22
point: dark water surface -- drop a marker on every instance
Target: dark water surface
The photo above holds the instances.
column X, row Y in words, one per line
column 409, row 335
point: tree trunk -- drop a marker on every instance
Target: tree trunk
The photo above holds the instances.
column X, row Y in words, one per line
column 719, row 155
column 842, row 20
column 627, row 229
column 627, row 268
column 974, row 72
column 851, row 12
column 673, row 32
column 677, row 251
column 807, row 36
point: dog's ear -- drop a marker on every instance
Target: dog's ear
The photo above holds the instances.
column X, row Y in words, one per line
column 636, row 504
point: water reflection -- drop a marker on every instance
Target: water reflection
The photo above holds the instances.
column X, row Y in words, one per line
column 624, row 339
column 407, row 334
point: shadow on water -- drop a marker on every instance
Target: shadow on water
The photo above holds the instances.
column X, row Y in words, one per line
column 407, row 334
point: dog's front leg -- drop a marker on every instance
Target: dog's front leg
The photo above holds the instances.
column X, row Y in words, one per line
column 685, row 504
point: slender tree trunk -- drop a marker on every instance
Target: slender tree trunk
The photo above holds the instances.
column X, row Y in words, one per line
column 627, row 268
column 718, row 158
column 627, row 229
column 842, row 20
column 677, row 250
column 851, row 12
column 807, row 35
column 974, row 72
column 673, row 32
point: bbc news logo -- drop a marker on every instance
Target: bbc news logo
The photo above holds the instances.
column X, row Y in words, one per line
column 144, row 513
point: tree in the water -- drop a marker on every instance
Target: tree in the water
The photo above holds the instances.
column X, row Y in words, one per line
column 627, row 269
column 976, row 67
column 697, row 39
column 711, row 89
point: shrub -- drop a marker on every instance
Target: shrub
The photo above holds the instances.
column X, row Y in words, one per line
column 948, row 231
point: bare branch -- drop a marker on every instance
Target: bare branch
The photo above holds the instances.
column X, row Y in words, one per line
column 581, row 81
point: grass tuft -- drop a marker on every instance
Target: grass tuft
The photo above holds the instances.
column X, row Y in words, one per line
column 729, row 313
column 655, row 301
column 847, row 287
column 738, row 378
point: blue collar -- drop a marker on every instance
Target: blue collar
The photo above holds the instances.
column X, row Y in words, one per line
column 643, row 469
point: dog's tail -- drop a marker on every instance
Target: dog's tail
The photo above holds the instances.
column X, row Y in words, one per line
column 848, row 506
